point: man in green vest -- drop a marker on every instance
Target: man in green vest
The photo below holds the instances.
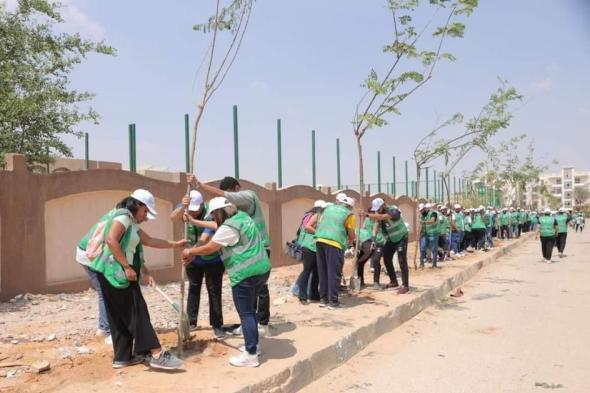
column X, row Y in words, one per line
column 371, row 240
column 514, row 223
column 335, row 232
column 445, row 232
column 208, row 267
column 505, row 224
column 396, row 233
column 243, row 251
column 457, row 231
column 548, row 229
column 430, row 228
column 562, row 221
column 248, row 202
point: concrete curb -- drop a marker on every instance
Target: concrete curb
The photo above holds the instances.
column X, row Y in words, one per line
column 303, row 372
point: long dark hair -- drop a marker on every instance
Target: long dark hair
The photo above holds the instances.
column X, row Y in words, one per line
column 130, row 204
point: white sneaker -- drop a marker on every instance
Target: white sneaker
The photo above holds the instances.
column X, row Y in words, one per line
column 548, row 261
column 244, row 359
column 237, row 331
column 258, row 350
column 109, row 340
column 264, row 330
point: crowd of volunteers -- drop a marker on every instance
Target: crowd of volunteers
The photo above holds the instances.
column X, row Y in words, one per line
column 228, row 235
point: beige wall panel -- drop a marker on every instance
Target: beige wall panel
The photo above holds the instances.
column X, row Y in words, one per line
column 67, row 219
column 292, row 212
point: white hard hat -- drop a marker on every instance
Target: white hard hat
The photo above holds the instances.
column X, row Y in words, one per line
column 319, row 203
column 428, row 205
column 340, row 197
column 146, row 197
column 421, row 206
column 376, row 204
column 561, row 210
column 218, row 203
column 457, row 206
column 196, row 200
column 547, row 210
column 348, row 201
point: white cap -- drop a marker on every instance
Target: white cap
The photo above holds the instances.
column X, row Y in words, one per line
column 457, row 206
column 348, row 201
column 561, row 210
column 420, row 206
column 319, row 203
column 196, row 200
column 340, row 197
column 376, row 204
column 218, row 203
column 146, row 197
column 547, row 210
column 428, row 205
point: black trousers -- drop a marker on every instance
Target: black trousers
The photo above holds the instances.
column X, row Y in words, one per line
column 213, row 274
column 330, row 261
column 467, row 239
column 129, row 320
column 364, row 254
column 478, row 238
column 263, row 302
column 561, row 238
column 504, row 232
column 402, row 257
column 310, row 269
column 547, row 243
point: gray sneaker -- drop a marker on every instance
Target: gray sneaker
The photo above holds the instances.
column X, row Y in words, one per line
column 166, row 361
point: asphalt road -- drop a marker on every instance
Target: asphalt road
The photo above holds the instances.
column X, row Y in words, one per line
column 522, row 326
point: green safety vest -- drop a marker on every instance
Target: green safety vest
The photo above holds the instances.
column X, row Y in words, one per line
column 258, row 218
column 521, row 217
column 459, row 222
column 546, row 226
column 395, row 230
column 489, row 219
column 331, row 225
column 195, row 232
column 514, row 218
column 562, row 222
column 366, row 232
column 478, row 222
column 504, row 219
column 445, row 225
column 431, row 229
column 467, row 226
column 306, row 239
column 105, row 263
column 248, row 257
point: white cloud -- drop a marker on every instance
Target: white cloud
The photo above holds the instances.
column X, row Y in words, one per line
column 543, row 85
column 75, row 20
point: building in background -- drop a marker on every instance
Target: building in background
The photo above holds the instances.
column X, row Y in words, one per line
column 560, row 188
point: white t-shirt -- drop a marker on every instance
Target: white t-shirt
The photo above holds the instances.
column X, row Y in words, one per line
column 134, row 240
column 226, row 236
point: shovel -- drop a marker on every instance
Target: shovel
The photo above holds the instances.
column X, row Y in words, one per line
column 184, row 325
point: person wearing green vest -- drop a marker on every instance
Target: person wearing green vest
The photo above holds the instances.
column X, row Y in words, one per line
column 548, row 229
column 445, row 233
column 306, row 239
column 562, row 221
column 371, row 240
column 335, row 233
column 478, row 229
column 248, row 202
column 429, row 240
column 468, row 238
column 533, row 221
column 457, row 231
column 395, row 232
column 209, row 267
column 505, row 224
column 113, row 249
column 514, row 223
column 243, row 251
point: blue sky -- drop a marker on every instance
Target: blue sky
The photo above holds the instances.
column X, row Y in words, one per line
column 303, row 61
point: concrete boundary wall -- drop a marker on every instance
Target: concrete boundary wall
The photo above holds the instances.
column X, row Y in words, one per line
column 43, row 216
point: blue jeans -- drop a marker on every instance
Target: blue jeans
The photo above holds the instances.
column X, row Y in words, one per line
column 103, row 322
column 245, row 295
column 456, row 239
column 428, row 242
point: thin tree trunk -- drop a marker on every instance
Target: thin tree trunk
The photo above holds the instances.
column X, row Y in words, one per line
column 361, row 200
column 419, row 221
